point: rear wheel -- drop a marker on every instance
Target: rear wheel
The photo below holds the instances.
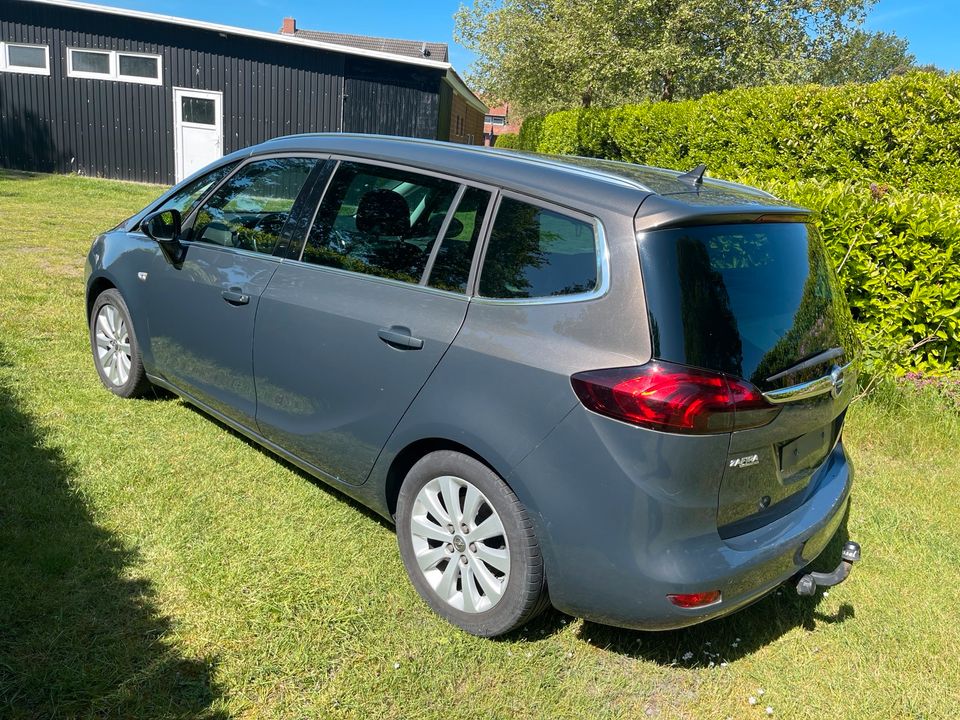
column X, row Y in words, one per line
column 469, row 546
column 116, row 353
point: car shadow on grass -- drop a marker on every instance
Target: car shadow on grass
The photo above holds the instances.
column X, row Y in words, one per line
column 254, row 445
column 80, row 635
column 735, row 636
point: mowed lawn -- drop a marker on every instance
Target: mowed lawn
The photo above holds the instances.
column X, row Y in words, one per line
column 154, row 564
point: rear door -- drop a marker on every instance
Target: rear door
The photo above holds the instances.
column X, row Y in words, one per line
column 202, row 310
column 759, row 302
column 348, row 331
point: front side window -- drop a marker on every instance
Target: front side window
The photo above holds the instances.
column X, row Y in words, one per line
column 184, row 199
column 23, row 58
column 251, row 208
column 534, row 252
column 379, row 221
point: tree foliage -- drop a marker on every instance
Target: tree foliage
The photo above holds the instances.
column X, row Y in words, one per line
column 545, row 55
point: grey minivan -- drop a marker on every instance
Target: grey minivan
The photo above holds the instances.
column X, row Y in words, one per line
column 622, row 385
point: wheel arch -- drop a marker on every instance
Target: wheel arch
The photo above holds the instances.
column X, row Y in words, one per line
column 418, row 449
column 95, row 288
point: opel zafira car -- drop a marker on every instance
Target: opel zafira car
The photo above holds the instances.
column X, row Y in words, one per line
column 611, row 388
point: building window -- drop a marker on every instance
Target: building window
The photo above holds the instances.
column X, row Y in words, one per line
column 24, row 58
column 495, row 120
column 459, row 130
column 114, row 65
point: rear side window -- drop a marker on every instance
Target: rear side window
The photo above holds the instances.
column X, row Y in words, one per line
column 251, row 208
column 535, row 252
column 379, row 221
column 451, row 269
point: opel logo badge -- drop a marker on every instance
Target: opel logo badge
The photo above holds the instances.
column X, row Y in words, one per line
column 836, row 381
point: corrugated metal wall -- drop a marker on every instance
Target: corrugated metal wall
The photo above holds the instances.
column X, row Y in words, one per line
column 125, row 130
column 404, row 98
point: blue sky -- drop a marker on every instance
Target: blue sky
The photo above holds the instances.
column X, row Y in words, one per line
column 931, row 26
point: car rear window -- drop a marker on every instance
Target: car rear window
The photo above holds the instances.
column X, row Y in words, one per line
column 535, row 252
column 750, row 300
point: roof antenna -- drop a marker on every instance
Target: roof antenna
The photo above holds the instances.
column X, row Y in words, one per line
column 693, row 178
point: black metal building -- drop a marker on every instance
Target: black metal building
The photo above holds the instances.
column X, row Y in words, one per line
column 116, row 93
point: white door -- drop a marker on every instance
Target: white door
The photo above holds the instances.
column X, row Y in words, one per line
column 197, row 129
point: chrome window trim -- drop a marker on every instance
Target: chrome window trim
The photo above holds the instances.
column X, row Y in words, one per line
column 813, row 388
column 601, row 248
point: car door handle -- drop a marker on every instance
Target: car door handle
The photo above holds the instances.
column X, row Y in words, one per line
column 235, row 297
column 399, row 337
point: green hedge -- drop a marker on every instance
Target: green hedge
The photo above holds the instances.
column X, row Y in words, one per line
column 897, row 253
column 508, row 140
column 904, row 132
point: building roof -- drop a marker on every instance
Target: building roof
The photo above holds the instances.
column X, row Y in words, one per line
column 450, row 75
column 407, row 48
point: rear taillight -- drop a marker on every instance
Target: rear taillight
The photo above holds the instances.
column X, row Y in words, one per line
column 674, row 398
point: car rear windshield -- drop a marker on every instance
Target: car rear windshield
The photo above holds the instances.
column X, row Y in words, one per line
column 751, row 300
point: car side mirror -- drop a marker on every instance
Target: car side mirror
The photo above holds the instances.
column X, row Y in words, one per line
column 164, row 227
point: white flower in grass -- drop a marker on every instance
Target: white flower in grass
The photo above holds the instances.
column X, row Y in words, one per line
column 752, row 700
column 688, row 655
column 396, row 666
column 769, row 710
column 760, row 692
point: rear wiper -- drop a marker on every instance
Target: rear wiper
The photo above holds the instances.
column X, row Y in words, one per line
column 823, row 357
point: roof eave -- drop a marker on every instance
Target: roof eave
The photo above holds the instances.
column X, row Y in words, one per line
column 245, row 32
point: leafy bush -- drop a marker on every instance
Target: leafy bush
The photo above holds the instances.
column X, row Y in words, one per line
column 904, row 131
column 508, row 141
column 897, row 256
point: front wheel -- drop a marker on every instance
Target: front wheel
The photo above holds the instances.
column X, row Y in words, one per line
column 469, row 546
column 116, row 353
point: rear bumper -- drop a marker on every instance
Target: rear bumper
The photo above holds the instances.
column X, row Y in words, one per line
column 622, row 530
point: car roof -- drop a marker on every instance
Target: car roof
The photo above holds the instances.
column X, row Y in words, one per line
column 662, row 196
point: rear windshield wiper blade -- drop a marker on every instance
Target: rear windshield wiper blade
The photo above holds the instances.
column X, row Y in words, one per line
column 823, row 357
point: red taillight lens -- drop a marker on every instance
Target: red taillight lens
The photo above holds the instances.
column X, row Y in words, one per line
column 695, row 600
column 664, row 396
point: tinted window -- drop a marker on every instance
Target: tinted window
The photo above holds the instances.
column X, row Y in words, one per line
column 185, row 198
column 535, row 252
column 379, row 221
column 251, row 208
column 750, row 300
column 451, row 269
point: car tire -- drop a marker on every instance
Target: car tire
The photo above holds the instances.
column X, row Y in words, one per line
column 116, row 352
column 486, row 576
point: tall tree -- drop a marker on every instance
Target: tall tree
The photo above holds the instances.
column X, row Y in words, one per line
column 544, row 55
column 865, row 57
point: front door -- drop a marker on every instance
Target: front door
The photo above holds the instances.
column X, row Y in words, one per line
column 198, row 129
column 202, row 310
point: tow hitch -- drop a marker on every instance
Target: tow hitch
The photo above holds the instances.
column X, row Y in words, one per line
column 807, row 585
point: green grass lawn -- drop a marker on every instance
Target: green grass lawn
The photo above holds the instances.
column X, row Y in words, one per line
column 154, row 564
